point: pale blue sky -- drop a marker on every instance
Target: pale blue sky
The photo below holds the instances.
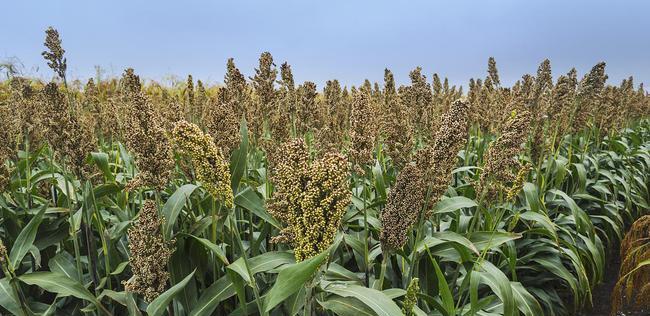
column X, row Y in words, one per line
column 348, row 40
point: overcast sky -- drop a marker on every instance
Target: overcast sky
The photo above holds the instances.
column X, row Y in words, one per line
column 348, row 40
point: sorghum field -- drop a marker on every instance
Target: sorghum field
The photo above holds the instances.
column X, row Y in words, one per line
column 267, row 197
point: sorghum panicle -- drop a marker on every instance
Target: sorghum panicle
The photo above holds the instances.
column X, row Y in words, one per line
column 403, row 207
column 311, row 198
column 411, row 298
column 145, row 136
column 54, row 54
column 71, row 138
column 501, row 155
column 221, row 122
column 212, row 169
column 361, row 136
column 150, row 253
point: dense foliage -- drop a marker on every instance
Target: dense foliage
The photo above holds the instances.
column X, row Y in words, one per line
column 260, row 197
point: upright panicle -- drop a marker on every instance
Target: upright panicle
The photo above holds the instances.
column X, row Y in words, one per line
column 361, row 138
column 500, row 159
column 70, row 137
column 439, row 159
column 145, row 136
column 403, row 207
column 149, row 254
column 212, row 169
column 310, row 198
column 54, row 53
column 396, row 129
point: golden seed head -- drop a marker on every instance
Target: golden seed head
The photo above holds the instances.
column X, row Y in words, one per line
column 310, row 198
column 212, row 169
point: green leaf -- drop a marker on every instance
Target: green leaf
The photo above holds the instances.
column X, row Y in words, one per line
column 174, row 205
column 526, row 303
column 453, row 203
column 249, row 200
column 25, row 240
column 8, row 298
column 500, row 285
column 443, row 287
column 292, row 278
column 262, row 263
column 216, row 250
column 59, row 284
column 119, row 297
column 346, row 306
column 379, row 302
column 157, row 307
column 380, row 186
column 491, row 240
column 212, row 296
column 63, row 263
column 101, row 160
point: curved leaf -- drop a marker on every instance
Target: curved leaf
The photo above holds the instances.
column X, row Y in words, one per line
column 158, row 306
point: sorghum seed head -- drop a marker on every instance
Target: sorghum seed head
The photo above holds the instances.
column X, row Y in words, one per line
column 361, row 135
column 411, row 298
column 145, row 136
column 54, row 54
column 310, row 198
column 501, row 154
column 402, row 207
column 150, row 253
column 211, row 167
column 519, row 181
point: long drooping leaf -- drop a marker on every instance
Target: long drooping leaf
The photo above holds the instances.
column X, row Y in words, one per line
column 8, row 299
column 59, row 284
column 249, row 200
column 500, row 285
column 212, row 296
column 216, row 250
column 452, row 204
column 376, row 300
column 292, row 278
column 25, row 239
column 157, row 307
column 526, row 303
column 346, row 306
column 174, row 205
